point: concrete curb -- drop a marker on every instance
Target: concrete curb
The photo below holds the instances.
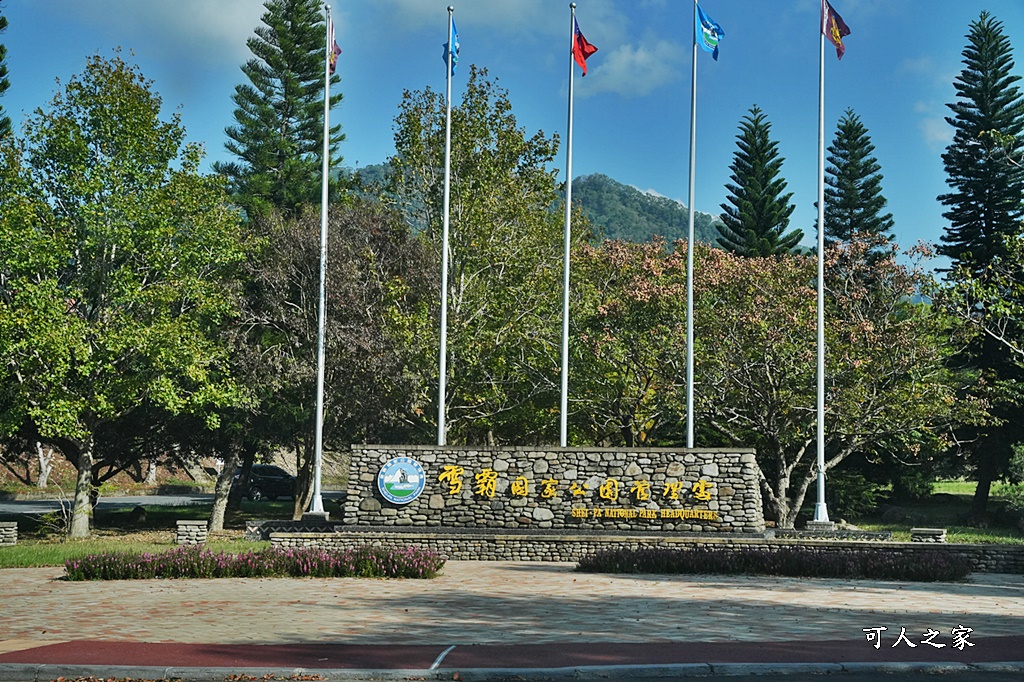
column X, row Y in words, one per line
column 47, row 672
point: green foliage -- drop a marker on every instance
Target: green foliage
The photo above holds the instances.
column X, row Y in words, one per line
column 985, row 208
column 851, row 494
column 887, row 381
column 757, row 213
column 199, row 562
column 506, row 255
column 798, row 562
column 628, row 359
column 985, row 204
column 279, row 131
column 117, row 268
column 853, row 195
column 619, row 211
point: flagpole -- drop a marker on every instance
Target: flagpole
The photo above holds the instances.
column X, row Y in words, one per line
column 443, row 359
column 820, row 509
column 317, row 505
column 689, row 242
column 563, row 429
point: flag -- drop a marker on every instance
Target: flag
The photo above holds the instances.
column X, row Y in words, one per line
column 335, row 51
column 454, row 41
column 581, row 49
column 708, row 32
column 833, row 27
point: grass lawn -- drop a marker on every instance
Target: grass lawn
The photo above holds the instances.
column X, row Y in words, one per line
column 38, row 545
column 947, row 508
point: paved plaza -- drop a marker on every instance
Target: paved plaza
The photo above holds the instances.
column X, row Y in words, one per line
column 511, row 616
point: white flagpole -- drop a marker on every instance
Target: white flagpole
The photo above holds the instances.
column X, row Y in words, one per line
column 317, row 504
column 689, row 240
column 563, row 428
column 443, row 359
column 820, row 510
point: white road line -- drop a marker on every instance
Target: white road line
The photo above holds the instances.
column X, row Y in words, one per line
column 441, row 656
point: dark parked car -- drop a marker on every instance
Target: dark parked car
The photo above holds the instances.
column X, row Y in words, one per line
column 267, row 481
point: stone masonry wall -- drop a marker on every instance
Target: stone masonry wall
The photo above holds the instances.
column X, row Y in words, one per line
column 555, row 547
column 656, row 489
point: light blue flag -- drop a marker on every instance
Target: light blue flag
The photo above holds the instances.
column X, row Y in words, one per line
column 455, row 54
column 708, row 32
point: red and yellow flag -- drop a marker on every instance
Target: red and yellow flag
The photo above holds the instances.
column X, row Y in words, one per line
column 833, row 27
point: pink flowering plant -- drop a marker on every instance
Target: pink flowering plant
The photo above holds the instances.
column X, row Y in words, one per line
column 199, row 562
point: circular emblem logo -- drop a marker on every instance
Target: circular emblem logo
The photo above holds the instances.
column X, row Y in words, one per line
column 401, row 480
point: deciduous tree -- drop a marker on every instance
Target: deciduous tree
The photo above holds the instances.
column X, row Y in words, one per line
column 116, row 269
column 504, row 312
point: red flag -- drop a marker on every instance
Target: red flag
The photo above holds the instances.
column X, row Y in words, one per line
column 581, row 49
column 833, row 27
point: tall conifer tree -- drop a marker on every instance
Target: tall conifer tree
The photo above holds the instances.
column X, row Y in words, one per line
column 985, row 203
column 5, row 121
column 278, row 138
column 853, row 192
column 985, row 206
column 758, row 211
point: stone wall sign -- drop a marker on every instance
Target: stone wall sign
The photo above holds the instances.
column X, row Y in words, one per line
column 654, row 489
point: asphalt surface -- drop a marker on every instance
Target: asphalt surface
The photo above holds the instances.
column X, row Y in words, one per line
column 505, row 620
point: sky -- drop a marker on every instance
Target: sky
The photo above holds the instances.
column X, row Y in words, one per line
column 631, row 112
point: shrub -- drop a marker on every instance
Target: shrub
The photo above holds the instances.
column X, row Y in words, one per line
column 787, row 561
column 198, row 562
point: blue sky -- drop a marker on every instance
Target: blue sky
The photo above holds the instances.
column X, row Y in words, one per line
column 631, row 111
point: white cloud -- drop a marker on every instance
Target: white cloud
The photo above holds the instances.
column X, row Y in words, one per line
column 936, row 131
column 203, row 29
column 635, row 71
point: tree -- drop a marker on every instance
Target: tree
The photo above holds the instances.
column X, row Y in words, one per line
column 5, row 121
column 278, row 138
column 755, row 370
column 376, row 375
column 985, row 208
column 985, row 205
column 629, row 343
column 116, row 270
column 853, row 192
column 504, row 314
column 757, row 215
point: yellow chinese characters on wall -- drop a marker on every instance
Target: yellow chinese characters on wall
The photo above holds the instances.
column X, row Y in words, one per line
column 611, row 490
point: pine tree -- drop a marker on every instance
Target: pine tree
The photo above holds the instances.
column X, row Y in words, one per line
column 758, row 211
column 278, row 138
column 985, row 206
column 985, row 203
column 5, row 121
column 853, row 195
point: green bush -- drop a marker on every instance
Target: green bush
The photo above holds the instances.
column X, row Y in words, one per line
column 801, row 562
column 198, row 562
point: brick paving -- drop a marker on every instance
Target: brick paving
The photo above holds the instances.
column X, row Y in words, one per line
column 523, row 604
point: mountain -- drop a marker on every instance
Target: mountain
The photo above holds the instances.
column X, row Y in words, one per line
column 617, row 211
column 623, row 212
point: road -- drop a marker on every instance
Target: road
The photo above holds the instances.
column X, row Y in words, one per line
column 17, row 507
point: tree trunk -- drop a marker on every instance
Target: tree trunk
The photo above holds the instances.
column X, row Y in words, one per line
column 221, row 491
column 303, row 480
column 81, row 515
column 979, row 503
column 151, row 472
column 45, row 459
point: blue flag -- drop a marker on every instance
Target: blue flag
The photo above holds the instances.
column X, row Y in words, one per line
column 455, row 41
column 708, row 32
